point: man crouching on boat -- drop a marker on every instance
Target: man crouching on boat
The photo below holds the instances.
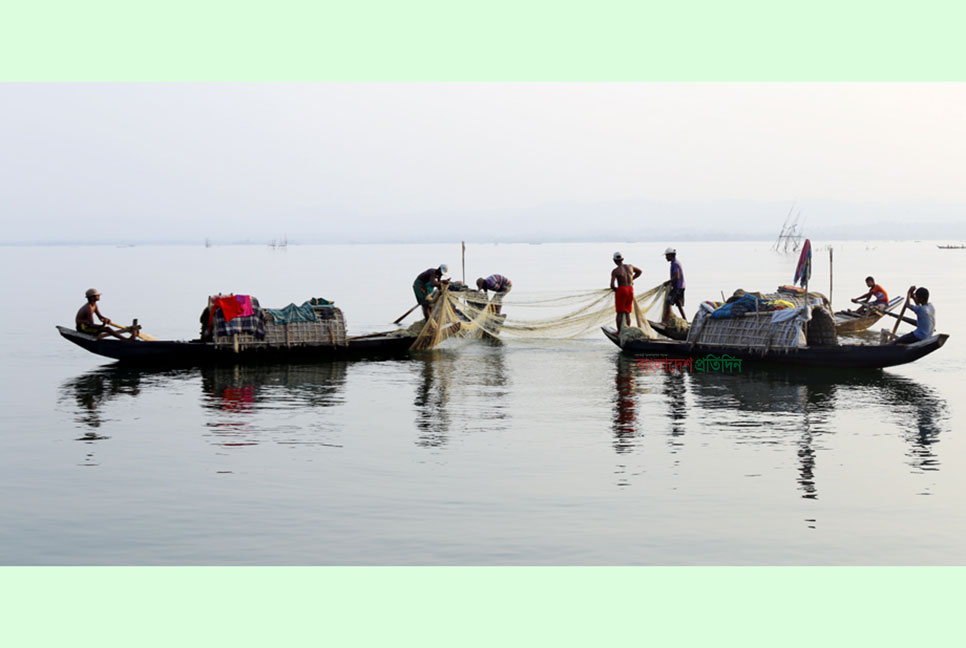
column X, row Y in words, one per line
column 925, row 316
column 84, row 320
column 623, row 275
column 426, row 283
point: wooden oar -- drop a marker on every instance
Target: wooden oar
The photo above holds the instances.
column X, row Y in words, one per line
column 143, row 336
column 907, row 320
column 899, row 317
column 403, row 316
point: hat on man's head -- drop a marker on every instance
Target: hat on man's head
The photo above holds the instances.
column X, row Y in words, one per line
column 443, row 268
column 617, row 256
column 91, row 292
column 670, row 250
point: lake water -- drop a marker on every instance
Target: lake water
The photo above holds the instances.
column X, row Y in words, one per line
column 535, row 452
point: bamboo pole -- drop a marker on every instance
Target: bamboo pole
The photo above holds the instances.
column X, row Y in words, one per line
column 830, row 277
column 464, row 262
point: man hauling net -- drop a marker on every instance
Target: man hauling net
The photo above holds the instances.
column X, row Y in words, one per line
column 426, row 283
column 623, row 276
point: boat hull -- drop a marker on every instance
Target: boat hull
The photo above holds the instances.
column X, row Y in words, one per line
column 179, row 353
column 842, row 356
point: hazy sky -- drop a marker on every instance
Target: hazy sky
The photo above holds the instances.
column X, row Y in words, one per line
column 332, row 161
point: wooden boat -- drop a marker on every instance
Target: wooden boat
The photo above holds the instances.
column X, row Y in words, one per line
column 838, row 356
column 668, row 332
column 195, row 353
column 849, row 321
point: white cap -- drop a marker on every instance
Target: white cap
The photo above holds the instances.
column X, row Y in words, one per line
column 91, row 292
column 618, row 255
column 443, row 268
column 670, row 250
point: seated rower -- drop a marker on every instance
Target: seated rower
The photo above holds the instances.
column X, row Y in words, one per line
column 498, row 284
column 426, row 283
column 925, row 316
column 875, row 290
column 84, row 320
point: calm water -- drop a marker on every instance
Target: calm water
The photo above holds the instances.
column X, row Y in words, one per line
column 533, row 452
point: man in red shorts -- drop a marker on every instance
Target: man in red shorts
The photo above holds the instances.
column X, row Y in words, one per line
column 623, row 276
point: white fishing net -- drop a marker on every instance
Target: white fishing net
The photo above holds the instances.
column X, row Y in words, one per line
column 469, row 314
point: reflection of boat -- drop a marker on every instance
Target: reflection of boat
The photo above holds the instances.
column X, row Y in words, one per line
column 185, row 353
column 838, row 356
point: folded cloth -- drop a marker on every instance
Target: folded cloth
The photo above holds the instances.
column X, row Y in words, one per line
column 254, row 324
column 737, row 308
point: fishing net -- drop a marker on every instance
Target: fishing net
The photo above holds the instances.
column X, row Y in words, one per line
column 469, row 314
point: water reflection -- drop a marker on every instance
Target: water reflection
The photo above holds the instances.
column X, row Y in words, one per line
column 470, row 387
column 631, row 379
column 93, row 390
column 770, row 406
column 248, row 403
column 625, row 404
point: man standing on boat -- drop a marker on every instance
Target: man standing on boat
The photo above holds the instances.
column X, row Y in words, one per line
column 875, row 290
column 84, row 320
column 676, row 283
column 498, row 284
column 426, row 283
column 623, row 276
column 925, row 316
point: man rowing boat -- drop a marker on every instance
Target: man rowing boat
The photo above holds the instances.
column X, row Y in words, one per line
column 875, row 290
column 84, row 320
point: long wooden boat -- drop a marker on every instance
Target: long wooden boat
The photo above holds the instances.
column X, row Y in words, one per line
column 838, row 356
column 194, row 353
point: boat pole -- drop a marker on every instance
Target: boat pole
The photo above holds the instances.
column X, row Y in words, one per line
column 830, row 276
column 464, row 262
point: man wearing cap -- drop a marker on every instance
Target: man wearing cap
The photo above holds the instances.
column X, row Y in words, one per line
column 427, row 282
column 675, row 296
column 84, row 320
column 623, row 276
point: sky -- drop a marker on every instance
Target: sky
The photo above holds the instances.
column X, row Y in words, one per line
column 385, row 162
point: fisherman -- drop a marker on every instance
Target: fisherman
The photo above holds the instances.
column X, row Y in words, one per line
column 925, row 316
column 875, row 290
column 623, row 276
column 84, row 320
column 498, row 284
column 675, row 296
column 426, row 283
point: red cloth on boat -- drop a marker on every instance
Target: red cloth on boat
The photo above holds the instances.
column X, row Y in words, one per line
column 624, row 299
column 229, row 306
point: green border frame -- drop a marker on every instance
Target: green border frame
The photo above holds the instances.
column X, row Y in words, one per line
column 420, row 40
column 498, row 40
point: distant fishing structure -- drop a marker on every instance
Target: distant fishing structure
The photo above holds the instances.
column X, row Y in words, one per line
column 279, row 245
column 790, row 238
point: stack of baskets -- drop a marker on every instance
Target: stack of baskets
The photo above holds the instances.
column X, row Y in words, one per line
column 329, row 329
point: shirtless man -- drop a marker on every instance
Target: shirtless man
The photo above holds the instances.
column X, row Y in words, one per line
column 623, row 276
column 84, row 320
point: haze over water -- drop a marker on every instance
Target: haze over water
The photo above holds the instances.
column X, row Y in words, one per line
column 555, row 452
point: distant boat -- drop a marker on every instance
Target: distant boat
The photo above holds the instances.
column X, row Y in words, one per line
column 951, row 247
